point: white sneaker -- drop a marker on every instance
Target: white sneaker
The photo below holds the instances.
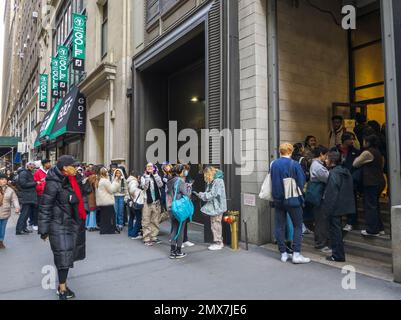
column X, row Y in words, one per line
column 326, row 250
column 366, row 234
column 35, row 228
column 188, row 244
column 305, row 230
column 348, row 228
column 382, row 233
column 297, row 258
column 216, row 247
column 284, row 257
column 137, row 238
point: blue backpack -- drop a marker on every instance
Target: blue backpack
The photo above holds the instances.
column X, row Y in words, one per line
column 182, row 209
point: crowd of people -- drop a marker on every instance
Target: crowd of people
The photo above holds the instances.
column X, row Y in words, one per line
column 65, row 201
column 314, row 187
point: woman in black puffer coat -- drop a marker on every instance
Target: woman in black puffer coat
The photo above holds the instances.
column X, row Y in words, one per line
column 62, row 219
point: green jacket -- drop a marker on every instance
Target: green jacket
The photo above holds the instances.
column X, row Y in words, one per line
column 215, row 196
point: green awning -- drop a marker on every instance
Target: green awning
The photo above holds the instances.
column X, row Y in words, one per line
column 71, row 118
column 9, row 142
column 47, row 124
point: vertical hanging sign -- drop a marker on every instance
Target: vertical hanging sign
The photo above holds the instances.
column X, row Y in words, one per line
column 55, row 76
column 63, row 67
column 78, row 41
column 43, row 87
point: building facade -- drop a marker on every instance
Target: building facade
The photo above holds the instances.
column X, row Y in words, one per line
column 275, row 70
column 20, row 77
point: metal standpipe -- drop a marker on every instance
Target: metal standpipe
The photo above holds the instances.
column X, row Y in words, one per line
column 233, row 218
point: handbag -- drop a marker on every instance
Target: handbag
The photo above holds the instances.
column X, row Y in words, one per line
column 314, row 193
column 266, row 190
column 293, row 197
column 134, row 204
column 181, row 209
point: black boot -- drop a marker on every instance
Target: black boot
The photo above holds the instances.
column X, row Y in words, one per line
column 173, row 251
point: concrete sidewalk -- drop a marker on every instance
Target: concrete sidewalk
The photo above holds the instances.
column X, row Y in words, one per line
column 120, row 268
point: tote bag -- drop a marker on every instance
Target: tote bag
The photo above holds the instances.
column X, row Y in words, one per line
column 181, row 209
column 266, row 190
column 293, row 197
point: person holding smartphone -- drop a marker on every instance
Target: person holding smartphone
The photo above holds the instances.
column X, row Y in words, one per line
column 151, row 182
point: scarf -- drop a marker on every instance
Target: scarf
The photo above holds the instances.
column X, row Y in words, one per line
column 77, row 191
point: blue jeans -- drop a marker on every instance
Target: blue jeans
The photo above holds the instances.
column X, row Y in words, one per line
column 91, row 220
column 119, row 208
column 3, row 224
column 281, row 221
column 133, row 229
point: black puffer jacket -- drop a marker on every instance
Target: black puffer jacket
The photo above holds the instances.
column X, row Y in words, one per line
column 59, row 218
column 338, row 199
column 27, row 187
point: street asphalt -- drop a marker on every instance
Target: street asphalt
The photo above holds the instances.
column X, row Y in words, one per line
column 117, row 267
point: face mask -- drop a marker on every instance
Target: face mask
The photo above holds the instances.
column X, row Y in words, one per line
column 186, row 173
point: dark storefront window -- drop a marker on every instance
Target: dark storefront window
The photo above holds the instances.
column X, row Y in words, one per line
column 367, row 70
column 105, row 17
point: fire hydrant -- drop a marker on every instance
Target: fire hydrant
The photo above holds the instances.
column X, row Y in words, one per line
column 232, row 218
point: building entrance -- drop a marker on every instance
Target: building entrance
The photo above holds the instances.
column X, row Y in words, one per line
column 325, row 71
column 175, row 96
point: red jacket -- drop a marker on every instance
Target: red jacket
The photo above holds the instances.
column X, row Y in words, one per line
column 40, row 175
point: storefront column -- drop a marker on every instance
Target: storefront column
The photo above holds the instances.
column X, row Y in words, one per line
column 109, row 125
column 254, row 115
column 391, row 22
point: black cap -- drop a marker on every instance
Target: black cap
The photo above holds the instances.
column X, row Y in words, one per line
column 3, row 176
column 65, row 161
column 45, row 161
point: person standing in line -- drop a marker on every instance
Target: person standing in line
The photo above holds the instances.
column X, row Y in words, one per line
column 119, row 196
column 215, row 204
column 8, row 198
column 360, row 127
column 337, row 131
column 9, row 175
column 189, row 181
column 135, row 204
column 40, row 178
column 338, row 200
column 284, row 168
column 176, row 186
column 29, row 199
column 62, row 220
column 309, row 144
column 151, row 183
column 372, row 164
column 105, row 191
column 91, row 208
column 319, row 176
column 348, row 154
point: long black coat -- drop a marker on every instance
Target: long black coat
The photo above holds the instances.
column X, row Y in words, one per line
column 27, row 186
column 338, row 199
column 59, row 218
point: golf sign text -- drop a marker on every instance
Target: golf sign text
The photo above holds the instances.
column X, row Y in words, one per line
column 63, row 67
column 79, row 41
column 43, row 87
